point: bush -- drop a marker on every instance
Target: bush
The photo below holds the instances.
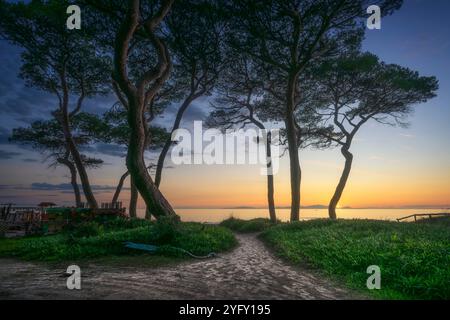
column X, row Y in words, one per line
column 84, row 229
column 247, row 226
column 119, row 223
column 165, row 230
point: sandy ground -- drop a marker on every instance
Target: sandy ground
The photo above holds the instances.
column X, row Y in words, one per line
column 248, row 272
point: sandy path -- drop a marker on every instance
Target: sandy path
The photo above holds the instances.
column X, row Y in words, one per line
column 248, row 272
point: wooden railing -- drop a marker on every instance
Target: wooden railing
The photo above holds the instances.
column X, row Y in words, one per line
column 429, row 215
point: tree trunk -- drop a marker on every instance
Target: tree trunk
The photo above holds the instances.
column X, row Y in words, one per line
column 119, row 187
column 138, row 96
column 70, row 143
column 148, row 214
column 73, row 180
column 293, row 140
column 161, row 159
column 80, row 167
column 133, row 200
column 154, row 200
column 168, row 143
column 342, row 181
column 270, row 188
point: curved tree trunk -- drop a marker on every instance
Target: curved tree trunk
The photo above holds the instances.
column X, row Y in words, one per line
column 73, row 180
column 161, row 159
column 133, row 200
column 70, row 143
column 119, row 187
column 342, row 182
column 138, row 96
column 292, row 136
column 87, row 190
column 154, row 199
column 168, row 143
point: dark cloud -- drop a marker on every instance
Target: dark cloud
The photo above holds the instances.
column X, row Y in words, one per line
column 30, row 160
column 5, row 155
column 113, row 150
column 30, row 119
column 99, row 104
column 26, row 104
column 197, row 111
column 110, row 150
column 65, row 187
column 19, row 101
column 10, row 56
column 4, row 135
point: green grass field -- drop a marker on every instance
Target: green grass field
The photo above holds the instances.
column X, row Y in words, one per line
column 414, row 257
column 91, row 240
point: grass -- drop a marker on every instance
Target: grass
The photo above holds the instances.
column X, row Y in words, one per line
column 91, row 241
column 414, row 257
column 247, row 226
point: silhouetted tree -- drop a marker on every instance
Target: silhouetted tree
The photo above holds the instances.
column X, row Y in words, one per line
column 57, row 60
column 115, row 130
column 48, row 138
column 285, row 37
column 355, row 89
column 141, row 66
column 239, row 101
column 194, row 33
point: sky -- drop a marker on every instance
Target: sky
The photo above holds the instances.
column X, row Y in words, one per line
column 393, row 167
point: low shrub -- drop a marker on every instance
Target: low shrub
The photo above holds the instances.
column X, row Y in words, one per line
column 247, row 226
column 84, row 229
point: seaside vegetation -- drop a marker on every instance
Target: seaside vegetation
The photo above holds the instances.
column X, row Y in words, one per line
column 90, row 240
column 247, row 226
column 414, row 258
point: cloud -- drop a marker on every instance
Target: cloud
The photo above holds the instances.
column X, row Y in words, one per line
column 66, row 187
column 6, row 186
column 4, row 135
column 110, row 150
column 409, row 136
column 29, row 160
column 5, row 155
column 197, row 111
column 26, row 104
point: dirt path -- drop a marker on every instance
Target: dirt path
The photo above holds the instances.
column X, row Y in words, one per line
column 248, row 272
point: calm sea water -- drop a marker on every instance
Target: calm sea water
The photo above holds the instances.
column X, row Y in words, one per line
column 218, row 215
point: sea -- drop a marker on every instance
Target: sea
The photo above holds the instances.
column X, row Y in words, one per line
column 218, row 215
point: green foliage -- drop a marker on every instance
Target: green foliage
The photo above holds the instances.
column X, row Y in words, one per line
column 47, row 136
column 196, row 238
column 442, row 221
column 414, row 258
column 125, row 223
column 247, row 226
column 114, row 128
column 85, row 229
column 165, row 230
